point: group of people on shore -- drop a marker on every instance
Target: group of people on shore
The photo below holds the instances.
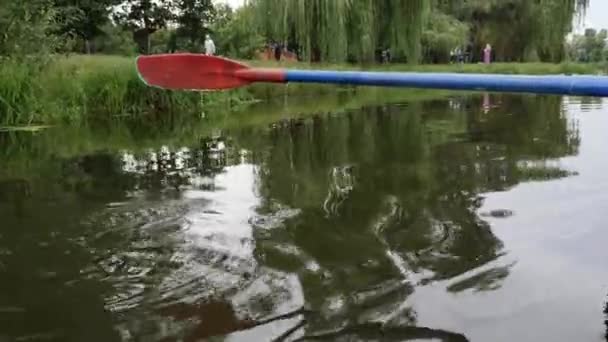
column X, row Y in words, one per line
column 275, row 48
column 456, row 56
column 459, row 56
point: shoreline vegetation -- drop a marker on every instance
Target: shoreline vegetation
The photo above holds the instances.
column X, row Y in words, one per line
column 82, row 88
column 24, row 157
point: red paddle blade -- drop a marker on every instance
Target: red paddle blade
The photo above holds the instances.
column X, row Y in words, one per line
column 190, row 72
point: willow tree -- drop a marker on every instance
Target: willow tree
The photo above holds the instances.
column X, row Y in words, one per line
column 556, row 19
column 340, row 30
column 441, row 35
column 518, row 29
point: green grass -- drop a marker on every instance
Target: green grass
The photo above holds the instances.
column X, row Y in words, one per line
column 268, row 90
column 82, row 88
column 17, row 93
column 565, row 68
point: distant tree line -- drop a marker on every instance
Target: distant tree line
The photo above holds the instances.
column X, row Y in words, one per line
column 589, row 47
column 317, row 30
column 105, row 26
column 420, row 30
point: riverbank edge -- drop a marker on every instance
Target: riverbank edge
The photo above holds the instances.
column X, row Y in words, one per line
column 78, row 88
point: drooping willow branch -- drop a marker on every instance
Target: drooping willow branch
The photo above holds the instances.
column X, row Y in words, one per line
column 341, row 30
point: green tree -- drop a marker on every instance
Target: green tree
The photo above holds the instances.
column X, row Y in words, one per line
column 517, row 29
column 340, row 30
column 194, row 19
column 114, row 40
column 589, row 47
column 233, row 34
column 28, row 28
column 163, row 41
column 144, row 17
column 442, row 34
column 84, row 19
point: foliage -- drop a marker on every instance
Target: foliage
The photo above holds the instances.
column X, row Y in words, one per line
column 556, row 19
column 145, row 14
column 319, row 30
column 441, row 35
column 194, row 19
column 517, row 29
column 144, row 17
column 590, row 47
column 163, row 41
column 17, row 92
column 114, row 40
column 339, row 30
column 27, row 28
column 84, row 18
column 233, row 34
column 80, row 88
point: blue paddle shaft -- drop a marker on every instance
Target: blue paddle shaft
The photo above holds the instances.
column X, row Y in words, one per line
column 558, row 85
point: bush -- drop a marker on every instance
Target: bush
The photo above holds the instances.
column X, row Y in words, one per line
column 27, row 28
column 235, row 37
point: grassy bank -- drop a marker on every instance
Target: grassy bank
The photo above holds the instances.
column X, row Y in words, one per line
column 270, row 90
column 497, row 68
column 80, row 88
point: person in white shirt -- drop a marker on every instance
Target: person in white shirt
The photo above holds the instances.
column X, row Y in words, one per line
column 209, row 46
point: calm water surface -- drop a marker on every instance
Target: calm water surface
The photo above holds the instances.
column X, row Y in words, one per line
column 476, row 218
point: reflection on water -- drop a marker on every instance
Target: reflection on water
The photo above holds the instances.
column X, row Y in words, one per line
column 606, row 319
column 365, row 225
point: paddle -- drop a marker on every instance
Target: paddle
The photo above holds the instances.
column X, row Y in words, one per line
column 200, row 72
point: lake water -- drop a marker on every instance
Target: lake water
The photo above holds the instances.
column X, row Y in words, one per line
column 465, row 218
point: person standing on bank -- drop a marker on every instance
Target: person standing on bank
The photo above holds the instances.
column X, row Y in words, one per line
column 487, row 54
column 209, row 46
column 277, row 51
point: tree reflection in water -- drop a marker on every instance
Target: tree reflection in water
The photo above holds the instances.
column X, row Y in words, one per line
column 401, row 209
column 606, row 318
column 385, row 201
column 345, row 215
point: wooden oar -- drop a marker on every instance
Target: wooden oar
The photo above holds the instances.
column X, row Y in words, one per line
column 200, row 72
